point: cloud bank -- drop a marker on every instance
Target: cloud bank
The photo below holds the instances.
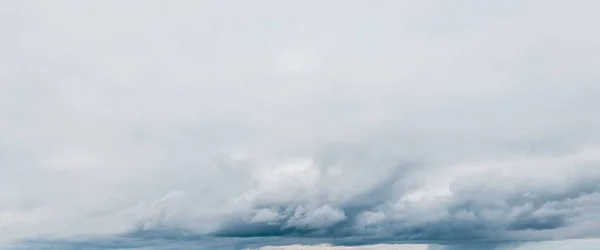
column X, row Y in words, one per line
column 340, row 122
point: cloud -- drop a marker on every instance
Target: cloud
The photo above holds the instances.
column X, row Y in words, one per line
column 326, row 247
column 341, row 122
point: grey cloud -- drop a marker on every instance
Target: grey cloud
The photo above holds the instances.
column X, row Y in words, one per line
column 342, row 122
column 492, row 204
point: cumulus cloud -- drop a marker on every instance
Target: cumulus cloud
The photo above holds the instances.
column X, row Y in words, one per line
column 342, row 122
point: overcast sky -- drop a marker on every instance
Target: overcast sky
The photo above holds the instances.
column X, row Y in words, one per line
column 343, row 122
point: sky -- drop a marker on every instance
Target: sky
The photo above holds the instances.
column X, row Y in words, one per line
column 245, row 124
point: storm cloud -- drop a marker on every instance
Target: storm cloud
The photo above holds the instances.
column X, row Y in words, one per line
column 133, row 123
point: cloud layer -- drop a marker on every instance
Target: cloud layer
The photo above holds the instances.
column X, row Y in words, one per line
column 340, row 122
